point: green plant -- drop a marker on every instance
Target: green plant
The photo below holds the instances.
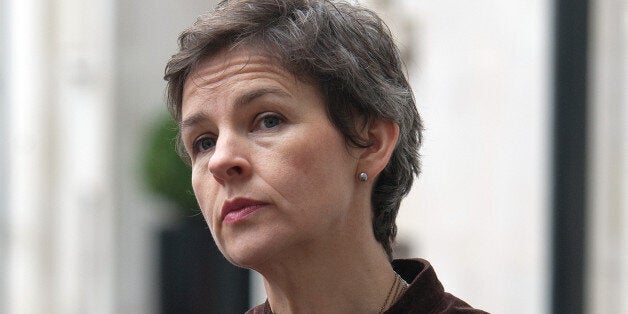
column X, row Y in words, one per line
column 164, row 171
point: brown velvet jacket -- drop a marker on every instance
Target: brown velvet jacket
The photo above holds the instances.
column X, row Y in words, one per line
column 424, row 296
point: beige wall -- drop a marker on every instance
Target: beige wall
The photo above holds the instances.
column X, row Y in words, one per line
column 607, row 219
column 480, row 210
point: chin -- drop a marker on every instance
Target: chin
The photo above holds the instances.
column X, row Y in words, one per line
column 250, row 252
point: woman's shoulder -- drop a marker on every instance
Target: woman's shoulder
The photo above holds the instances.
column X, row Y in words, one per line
column 425, row 293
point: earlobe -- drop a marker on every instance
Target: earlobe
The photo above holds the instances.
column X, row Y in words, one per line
column 383, row 134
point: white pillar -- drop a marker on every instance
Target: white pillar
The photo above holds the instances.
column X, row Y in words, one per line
column 28, row 159
column 83, row 75
column 60, row 207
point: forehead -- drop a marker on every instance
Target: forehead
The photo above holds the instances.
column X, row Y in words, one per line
column 233, row 66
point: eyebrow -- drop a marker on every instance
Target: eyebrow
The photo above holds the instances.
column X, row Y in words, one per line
column 241, row 101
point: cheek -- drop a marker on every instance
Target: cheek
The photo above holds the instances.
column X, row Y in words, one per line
column 314, row 170
column 204, row 196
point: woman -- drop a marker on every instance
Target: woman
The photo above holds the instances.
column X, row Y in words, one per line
column 303, row 136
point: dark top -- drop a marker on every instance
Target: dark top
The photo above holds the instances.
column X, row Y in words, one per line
column 425, row 295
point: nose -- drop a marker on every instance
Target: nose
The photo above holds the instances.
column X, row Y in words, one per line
column 229, row 160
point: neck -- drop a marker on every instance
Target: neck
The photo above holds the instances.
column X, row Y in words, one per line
column 346, row 275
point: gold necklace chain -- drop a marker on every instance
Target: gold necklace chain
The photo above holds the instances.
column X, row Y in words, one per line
column 397, row 289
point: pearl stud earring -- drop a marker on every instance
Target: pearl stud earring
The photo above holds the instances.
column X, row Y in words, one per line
column 363, row 176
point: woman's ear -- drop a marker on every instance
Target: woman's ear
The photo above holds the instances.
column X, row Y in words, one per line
column 383, row 135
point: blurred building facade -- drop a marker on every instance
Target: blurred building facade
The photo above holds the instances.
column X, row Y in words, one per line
column 81, row 82
column 606, row 271
column 58, row 213
column 480, row 210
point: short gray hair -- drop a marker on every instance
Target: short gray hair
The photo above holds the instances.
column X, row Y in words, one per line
column 345, row 50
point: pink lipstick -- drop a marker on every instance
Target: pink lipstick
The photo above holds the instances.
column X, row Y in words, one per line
column 238, row 209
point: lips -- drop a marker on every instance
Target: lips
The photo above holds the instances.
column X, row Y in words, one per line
column 239, row 208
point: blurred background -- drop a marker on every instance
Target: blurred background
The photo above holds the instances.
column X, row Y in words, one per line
column 522, row 206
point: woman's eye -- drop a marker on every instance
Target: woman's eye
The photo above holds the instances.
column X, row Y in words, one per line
column 204, row 144
column 271, row 121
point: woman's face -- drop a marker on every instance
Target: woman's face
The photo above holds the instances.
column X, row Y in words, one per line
column 270, row 172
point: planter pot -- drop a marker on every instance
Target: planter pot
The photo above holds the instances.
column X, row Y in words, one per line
column 194, row 276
